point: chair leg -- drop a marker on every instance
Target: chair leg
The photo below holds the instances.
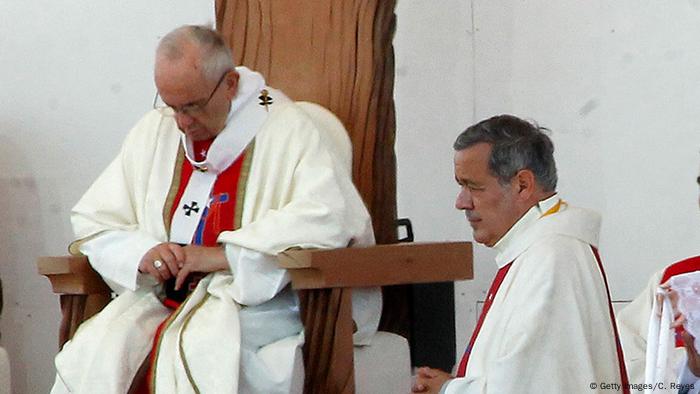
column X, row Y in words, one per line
column 328, row 351
column 77, row 308
column 72, row 309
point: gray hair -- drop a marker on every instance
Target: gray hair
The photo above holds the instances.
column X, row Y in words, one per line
column 215, row 56
column 516, row 144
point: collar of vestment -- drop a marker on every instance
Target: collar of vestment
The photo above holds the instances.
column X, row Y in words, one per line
column 536, row 224
column 244, row 120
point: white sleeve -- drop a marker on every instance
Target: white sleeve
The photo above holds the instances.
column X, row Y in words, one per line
column 116, row 254
column 256, row 276
column 633, row 326
column 107, row 218
column 463, row 386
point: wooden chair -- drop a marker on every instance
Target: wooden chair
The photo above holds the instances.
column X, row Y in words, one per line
column 315, row 273
column 337, row 53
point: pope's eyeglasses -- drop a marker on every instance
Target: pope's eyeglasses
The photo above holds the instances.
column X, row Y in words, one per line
column 191, row 109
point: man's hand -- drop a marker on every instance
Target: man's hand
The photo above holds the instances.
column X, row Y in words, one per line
column 429, row 380
column 201, row 259
column 170, row 256
column 688, row 340
column 693, row 357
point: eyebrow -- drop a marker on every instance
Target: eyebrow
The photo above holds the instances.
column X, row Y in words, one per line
column 190, row 104
column 698, row 180
column 470, row 183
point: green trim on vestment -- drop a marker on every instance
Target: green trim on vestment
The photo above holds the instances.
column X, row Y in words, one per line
column 242, row 185
column 185, row 364
column 174, row 187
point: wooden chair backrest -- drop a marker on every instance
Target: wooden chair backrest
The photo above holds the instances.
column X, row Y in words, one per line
column 339, row 54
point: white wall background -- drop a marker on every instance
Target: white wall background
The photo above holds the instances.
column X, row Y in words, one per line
column 617, row 82
column 74, row 77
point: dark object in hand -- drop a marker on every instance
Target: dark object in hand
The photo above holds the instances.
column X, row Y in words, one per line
column 187, row 287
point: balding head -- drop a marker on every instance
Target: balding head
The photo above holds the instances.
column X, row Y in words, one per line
column 196, row 78
column 198, row 47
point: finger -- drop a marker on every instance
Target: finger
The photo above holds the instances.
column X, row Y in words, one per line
column 660, row 302
column 687, row 338
column 163, row 270
column 151, row 270
column 170, row 262
column 679, row 321
column 179, row 254
column 181, row 276
column 424, row 371
column 673, row 296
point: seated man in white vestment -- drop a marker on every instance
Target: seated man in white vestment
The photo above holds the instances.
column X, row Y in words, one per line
column 547, row 323
column 681, row 372
column 185, row 225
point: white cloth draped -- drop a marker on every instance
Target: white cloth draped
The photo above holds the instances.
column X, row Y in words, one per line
column 659, row 344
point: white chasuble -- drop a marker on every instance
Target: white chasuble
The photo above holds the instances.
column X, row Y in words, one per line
column 298, row 194
column 549, row 328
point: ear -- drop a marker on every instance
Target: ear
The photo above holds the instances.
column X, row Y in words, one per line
column 525, row 184
column 231, row 84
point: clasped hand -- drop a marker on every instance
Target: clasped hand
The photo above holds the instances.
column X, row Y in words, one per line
column 430, row 380
column 179, row 261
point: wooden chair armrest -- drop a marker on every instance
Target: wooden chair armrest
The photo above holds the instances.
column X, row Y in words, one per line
column 82, row 291
column 380, row 265
column 71, row 275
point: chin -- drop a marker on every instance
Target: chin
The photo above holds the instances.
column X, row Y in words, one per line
column 200, row 135
column 482, row 239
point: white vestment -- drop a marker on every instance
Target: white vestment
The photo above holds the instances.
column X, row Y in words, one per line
column 239, row 330
column 549, row 329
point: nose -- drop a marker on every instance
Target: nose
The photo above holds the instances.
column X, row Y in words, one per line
column 183, row 120
column 464, row 200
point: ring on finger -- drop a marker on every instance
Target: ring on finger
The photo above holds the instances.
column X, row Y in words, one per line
column 157, row 264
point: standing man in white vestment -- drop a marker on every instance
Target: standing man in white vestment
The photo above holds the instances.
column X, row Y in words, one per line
column 206, row 190
column 683, row 363
column 547, row 323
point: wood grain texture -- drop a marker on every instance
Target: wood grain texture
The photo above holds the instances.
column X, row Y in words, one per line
column 379, row 265
column 82, row 291
column 331, row 310
column 339, row 54
column 336, row 53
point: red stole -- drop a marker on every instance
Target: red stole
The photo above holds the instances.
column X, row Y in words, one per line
column 690, row 264
column 500, row 275
column 618, row 345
